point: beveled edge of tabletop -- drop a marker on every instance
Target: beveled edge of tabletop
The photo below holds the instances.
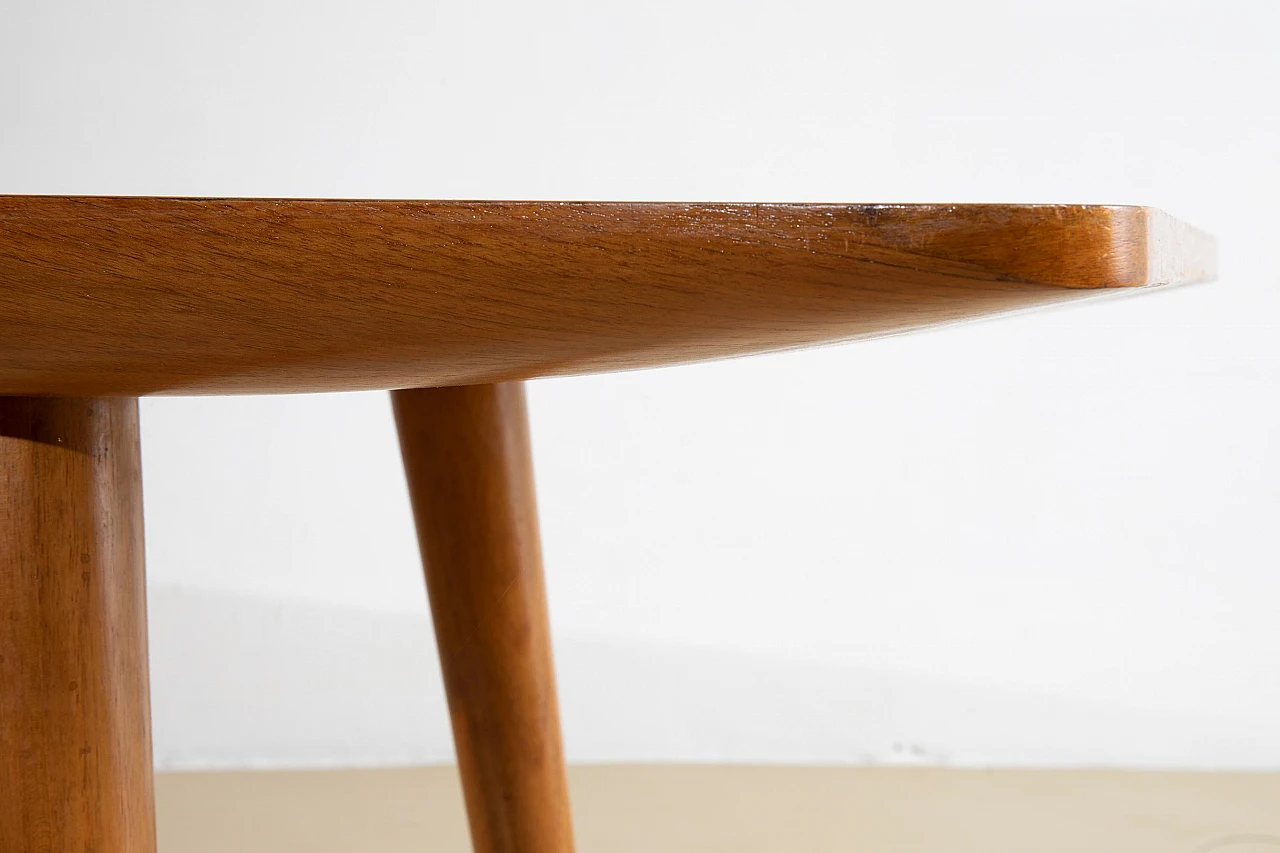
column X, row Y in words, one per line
column 1144, row 245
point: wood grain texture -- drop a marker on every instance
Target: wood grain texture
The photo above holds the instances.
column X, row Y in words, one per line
column 75, row 742
column 150, row 295
column 470, row 473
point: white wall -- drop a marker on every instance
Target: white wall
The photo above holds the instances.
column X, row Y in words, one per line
column 1049, row 539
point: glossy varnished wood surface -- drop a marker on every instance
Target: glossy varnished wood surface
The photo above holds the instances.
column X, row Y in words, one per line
column 469, row 468
column 75, row 745
column 154, row 295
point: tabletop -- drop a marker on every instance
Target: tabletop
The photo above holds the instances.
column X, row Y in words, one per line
column 133, row 295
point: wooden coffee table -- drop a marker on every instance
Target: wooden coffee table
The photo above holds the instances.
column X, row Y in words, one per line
column 450, row 305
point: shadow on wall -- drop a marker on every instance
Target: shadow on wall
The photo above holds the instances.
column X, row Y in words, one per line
column 298, row 683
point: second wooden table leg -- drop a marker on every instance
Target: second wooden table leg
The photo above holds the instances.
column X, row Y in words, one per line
column 467, row 459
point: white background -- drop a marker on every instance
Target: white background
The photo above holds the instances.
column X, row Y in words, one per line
column 1049, row 539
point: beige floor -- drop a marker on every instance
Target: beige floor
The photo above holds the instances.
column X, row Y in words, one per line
column 741, row 809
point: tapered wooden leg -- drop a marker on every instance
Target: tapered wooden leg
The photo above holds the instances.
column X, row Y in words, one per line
column 466, row 456
column 75, row 722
